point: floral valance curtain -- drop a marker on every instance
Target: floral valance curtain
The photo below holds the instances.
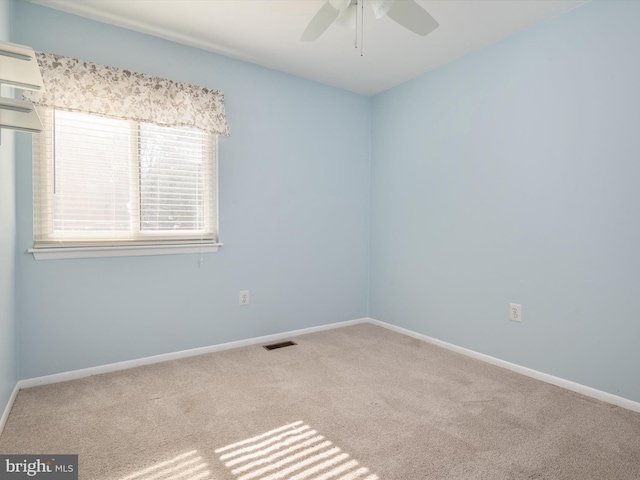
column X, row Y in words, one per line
column 79, row 86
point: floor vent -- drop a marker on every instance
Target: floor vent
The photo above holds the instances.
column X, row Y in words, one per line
column 273, row 346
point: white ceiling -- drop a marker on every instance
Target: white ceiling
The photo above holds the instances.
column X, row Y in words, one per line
column 267, row 32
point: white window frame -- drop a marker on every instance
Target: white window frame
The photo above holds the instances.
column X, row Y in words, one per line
column 43, row 192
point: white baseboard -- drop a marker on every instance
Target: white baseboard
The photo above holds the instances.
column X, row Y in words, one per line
column 559, row 382
column 113, row 367
column 7, row 409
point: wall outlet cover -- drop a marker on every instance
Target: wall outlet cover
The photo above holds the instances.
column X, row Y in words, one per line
column 515, row 312
column 244, row 298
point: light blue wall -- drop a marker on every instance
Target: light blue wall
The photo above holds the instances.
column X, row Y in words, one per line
column 512, row 176
column 294, row 180
column 508, row 176
column 7, row 242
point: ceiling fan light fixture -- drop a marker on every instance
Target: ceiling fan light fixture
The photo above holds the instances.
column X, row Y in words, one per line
column 407, row 13
column 340, row 4
column 381, row 7
column 348, row 16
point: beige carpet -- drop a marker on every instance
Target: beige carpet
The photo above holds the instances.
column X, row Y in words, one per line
column 359, row 403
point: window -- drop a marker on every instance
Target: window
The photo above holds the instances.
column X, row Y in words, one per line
column 126, row 163
column 103, row 182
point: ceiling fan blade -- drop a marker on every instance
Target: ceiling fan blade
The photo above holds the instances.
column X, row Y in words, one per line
column 320, row 22
column 412, row 17
column 381, row 7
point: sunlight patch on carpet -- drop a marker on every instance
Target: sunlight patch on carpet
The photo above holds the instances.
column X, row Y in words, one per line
column 187, row 466
column 294, row 451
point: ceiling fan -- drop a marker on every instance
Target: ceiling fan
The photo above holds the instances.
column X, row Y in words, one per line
column 407, row 13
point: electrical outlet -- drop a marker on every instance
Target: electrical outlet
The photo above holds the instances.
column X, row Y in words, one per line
column 244, row 298
column 515, row 312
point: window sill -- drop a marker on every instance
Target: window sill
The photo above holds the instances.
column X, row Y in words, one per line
column 58, row 253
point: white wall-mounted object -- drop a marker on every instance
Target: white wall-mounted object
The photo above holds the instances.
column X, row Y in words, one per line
column 244, row 298
column 19, row 68
column 19, row 115
column 515, row 312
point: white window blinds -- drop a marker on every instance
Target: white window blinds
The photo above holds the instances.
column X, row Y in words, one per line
column 120, row 182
